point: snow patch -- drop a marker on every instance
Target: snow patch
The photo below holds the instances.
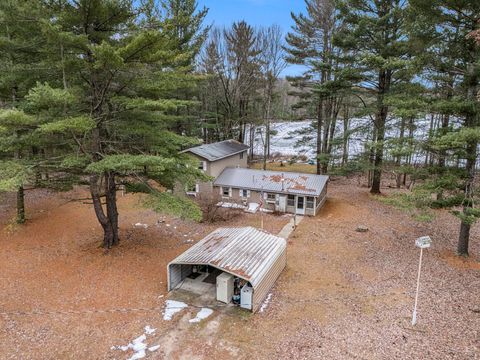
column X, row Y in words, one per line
column 265, row 303
column 154, row 348
column 230, row 205
column 172, row 307
column 201, row 315
column 138, row 345
column 149, row 330
column 140, row 225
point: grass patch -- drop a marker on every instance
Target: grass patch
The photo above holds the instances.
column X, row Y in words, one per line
column 416, row 203
column 179, row 206
column 295, row 167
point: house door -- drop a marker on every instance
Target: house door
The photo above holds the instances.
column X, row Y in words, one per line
column 282, row 203
column 300, row 205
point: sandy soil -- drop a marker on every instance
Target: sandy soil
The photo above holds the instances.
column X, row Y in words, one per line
column 343, row 295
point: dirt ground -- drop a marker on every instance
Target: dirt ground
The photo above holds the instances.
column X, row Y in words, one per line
column 343, row 295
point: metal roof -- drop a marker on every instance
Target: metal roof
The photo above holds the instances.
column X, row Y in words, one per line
column 245, row 252
column 272, row 181
column 218, row 150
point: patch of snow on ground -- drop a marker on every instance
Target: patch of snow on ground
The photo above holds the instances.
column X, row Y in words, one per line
column 140, row 225
column 201, row 315
column 266, row 302
column 149, row 330
column 230, row 205
column 154, row 348
column 172, row 307
column 138, row 345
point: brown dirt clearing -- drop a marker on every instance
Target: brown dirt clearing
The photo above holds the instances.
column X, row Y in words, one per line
column 343, row 295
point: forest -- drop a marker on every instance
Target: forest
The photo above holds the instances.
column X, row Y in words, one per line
column 107, row 93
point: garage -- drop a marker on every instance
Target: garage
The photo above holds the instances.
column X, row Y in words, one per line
column 237, row 265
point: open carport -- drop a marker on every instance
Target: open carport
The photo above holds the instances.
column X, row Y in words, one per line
column 254, row 258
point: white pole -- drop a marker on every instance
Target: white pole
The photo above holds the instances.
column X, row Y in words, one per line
column 414, row 316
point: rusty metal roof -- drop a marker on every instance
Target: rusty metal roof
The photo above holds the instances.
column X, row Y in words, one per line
column 272, row 181
column 218, row 150
column 245, row 252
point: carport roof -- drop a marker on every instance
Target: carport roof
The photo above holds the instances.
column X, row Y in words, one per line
column 245, row 252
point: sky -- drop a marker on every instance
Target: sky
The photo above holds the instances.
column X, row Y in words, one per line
column 255, row 12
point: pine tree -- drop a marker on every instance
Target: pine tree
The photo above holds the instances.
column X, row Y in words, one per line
column 21, row 61
column 125, row 69
column 375, row 33
column 310, row 44
column 448, row 33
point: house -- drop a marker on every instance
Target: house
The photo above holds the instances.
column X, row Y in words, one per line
column 291, row 192
column 241, row 264
column 214, row 158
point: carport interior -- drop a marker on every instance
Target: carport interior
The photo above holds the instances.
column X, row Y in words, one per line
column 205, row 280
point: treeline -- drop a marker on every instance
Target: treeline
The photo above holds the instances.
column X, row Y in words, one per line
column 395, row 64
column 401, row 75
column 110, row 91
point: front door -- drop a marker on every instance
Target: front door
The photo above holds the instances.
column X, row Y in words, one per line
column 282, row 203
column 300, row 205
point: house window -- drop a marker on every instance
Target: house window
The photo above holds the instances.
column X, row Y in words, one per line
column 225, row 191
column 291, row 200
column 310, row 202
column 194, row 189
column 241, row 155
column 202, row 165
column 244, row 193
column 271, row 197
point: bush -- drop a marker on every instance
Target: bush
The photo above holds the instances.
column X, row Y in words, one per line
column 211, row 212
column 449, row 202
column 417, row 203
column 168, row 203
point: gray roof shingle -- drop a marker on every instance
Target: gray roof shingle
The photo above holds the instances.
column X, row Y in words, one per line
column 218, row 150
column 272, row 181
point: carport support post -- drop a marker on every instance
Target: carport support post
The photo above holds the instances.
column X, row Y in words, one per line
column 414, row 316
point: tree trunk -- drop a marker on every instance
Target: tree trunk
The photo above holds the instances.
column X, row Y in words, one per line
column 346, row 126
column 471, row 121
column 464, row 236
column 109, row 221
column 319, row 135
column 399, row 157
column 251, row 138
column 332, row 128
column 111, row 202
column 266, row 144
column 20, row 205
column 380, row 120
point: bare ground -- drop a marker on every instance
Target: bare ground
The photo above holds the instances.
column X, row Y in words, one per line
column 344, row 294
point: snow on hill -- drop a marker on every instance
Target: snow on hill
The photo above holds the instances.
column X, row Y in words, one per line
column 288, row 134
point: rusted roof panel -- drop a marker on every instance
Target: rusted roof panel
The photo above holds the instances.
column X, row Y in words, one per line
column 218, row 150
column 272, row 181
column 245, row 252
